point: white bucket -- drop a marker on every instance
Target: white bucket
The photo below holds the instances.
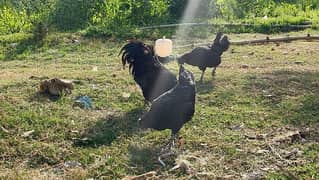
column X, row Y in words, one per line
column 163, row 47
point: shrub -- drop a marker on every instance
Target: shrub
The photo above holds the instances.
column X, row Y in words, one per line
column 71, row 15
column 40, row 31
column 13, row 21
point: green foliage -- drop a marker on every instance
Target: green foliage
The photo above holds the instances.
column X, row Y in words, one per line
column 208, row 9
column 72, row 15
column 273, row 25
column 121, row 17
column 110, row 18
column 12, row 20
column 176, row 8
column 285, row 9
column 107, row 141
column 40, row 31
column 228, row 9
column 24, row 16
column 148, row 12
column 234, row 9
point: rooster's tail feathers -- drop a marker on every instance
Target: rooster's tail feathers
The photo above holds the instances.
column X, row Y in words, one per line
column 127, row 52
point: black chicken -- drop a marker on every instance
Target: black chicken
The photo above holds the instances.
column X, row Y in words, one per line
column 207, row 57
column 153, row 78
column 174, row 108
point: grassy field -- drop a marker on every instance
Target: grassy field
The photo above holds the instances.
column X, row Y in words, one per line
column 257, row 118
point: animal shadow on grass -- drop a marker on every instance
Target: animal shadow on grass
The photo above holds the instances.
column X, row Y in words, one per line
column 106, row 130
column 43, row 97
column 204, row 87
column 29, row 44
column 144, row 158
column 296, row 92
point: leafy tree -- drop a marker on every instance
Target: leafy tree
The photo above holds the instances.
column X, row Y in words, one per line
column 72, row 15
column 12, row 20
column 117, row 16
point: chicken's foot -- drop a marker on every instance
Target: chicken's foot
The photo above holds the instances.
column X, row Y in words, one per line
column 214, row 71
column 168, row 149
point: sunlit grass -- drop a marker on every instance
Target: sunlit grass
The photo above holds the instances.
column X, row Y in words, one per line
column 265, row 89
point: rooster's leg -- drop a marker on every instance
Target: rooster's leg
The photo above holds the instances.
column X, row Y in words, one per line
column 174, row 136
column 171, row 143
column 168, row 149
column 202, row 75
column 214, row 71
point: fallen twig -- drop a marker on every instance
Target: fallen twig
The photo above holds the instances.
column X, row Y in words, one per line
column 4, row 129
column 273, row 150
column 147, row 175
column 302, row 26
column 308, row 37
column 287, row 173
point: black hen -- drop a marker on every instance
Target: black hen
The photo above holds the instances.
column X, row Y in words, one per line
column 174, row 108
column 204, row 57
column 153, row 78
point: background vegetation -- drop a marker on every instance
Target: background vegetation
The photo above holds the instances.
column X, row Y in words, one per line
column 119, row 17
column 261, row 95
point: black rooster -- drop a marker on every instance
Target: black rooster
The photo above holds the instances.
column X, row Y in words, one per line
column 174, row 108
column 153, row 78
column 207, row 57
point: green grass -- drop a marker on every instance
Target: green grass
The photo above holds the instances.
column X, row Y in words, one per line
column 267, row 89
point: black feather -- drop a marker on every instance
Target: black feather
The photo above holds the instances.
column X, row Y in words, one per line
column 174, row 108
column 153, row 78
column 204, row 57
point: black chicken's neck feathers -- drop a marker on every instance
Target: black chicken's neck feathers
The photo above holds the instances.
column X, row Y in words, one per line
column 153, row 78
column 220, row 43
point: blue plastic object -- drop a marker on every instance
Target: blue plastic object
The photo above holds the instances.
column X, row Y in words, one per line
column 84, row 102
